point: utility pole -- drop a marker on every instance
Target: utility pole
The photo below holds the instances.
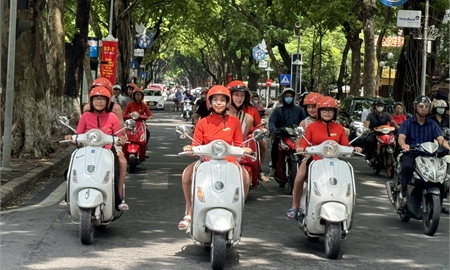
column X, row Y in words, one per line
column 1, row 56
column 268, row 69
column 425, row 49
column 9, row 99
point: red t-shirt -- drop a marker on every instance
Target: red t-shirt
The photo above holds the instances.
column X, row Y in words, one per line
column 398, row 120
column 108, row 122
column 214, row 127
column 141, row 108
column 316, row 133
column 254, row 113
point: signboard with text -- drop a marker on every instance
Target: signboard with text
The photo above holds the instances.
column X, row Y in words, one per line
column 109, row 60
column 409, row 18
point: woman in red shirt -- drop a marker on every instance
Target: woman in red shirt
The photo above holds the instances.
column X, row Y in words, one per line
column 398, row 116
column 217, row 125
column 316, row 133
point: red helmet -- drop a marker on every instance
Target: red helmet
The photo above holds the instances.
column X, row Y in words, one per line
column 137, row 90
column 238, row 85
column 312, row 99
column 327, row 102
column 132, row 85
column 100, row 91
column 102, row 81
column 216, row 90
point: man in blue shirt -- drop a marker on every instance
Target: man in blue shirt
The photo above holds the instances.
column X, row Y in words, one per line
column 413, row 131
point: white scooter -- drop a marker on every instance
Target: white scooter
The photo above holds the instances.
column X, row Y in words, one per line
column 187, row 109
column 217, row 197
column 92, row 181
column 328, row 199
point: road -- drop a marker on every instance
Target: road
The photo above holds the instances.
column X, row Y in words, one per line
column 39, row 235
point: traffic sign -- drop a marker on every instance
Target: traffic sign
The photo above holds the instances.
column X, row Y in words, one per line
column 269, row 82
column 258, row 54
column 134, row 64
column 143, row 74
column 285, row 79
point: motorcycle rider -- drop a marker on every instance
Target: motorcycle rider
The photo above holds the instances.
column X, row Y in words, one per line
column 117, row 96
column 187, row 96
column 413, row 131
column 375, row 119
column 324, row 128
column 257, row 104
column 217, row 125
column 239, row 97
column 100, row 116
column 398, row 115
column 287, row 114
column 438, row 113
column 177, row 99
column 138, row 105
column 201, row 110
column 129, row 97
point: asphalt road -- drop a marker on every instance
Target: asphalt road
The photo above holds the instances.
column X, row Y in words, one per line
column 39, row 235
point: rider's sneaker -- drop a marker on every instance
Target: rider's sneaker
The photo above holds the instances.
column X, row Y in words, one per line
column 402, row 206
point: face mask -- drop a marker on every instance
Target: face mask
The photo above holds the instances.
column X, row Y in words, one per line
column 380, row 108
column 440, row 110
column 203, row 96
column 288, row 100
column 255, row 101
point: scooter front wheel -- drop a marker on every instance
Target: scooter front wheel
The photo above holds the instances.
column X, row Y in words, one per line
column 132, row 164
column 432, row 214
column 332, row 239
column 86, row 226
column 218, row 250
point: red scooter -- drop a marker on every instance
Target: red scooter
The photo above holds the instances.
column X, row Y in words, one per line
column 134, row 150
column 384, row 156
column 252, row 165
column 287, row 165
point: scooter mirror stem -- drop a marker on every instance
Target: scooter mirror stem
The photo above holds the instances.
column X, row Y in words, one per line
column 71, row 128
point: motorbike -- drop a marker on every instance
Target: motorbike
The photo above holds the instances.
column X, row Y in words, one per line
column 217, row 197
column 187, row 109
column 92, row 181
column 252, row 164
column 135, row 149
column 328, row 200
column 286, row 168
column 427, row 188
column 384, row 156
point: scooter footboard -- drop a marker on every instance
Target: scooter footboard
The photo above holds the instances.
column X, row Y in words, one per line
column 89, row 198
column 333, row 211
column 220, row 220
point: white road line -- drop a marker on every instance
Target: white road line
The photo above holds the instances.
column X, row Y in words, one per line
column 156, row 179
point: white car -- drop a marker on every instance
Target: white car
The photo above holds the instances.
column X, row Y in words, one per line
column 154, row 98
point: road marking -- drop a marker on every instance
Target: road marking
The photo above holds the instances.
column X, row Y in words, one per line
column 156, row 179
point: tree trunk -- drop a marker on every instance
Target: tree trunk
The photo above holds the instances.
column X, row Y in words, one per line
column 126, row 36
column 369, row 10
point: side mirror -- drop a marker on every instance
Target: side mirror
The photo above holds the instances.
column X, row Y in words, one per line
column 65, row 121
column 361, row 131
column 356, row 124
column 182, row 131
column 299, row 131
column 130, row 124
column 258, row 135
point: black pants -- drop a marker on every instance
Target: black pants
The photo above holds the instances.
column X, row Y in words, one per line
column 370, row 144
column 408, row 166
column 274, row 152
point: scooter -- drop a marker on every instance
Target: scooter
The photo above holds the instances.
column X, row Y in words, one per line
column 287, row 165
column 92, row 181
column 217, row 197
column 328, row 200
column 384, row 156
column 135, row 149
column 252, row 164
column 187, row 109
column 427, row 188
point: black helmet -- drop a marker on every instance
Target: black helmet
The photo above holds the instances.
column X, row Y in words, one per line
column 379, row 101
column 421, row 99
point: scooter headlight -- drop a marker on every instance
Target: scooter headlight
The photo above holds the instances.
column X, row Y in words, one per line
column 330, row 148
column 134, row 115
column 441, row 172
column 426, row 172
column 94, row 137
column 219, row 149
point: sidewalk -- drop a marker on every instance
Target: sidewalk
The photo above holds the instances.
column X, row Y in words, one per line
column 26, row 172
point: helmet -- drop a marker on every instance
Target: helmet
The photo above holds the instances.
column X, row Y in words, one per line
column 132, row 85
column 379, row 101
column 238, row 85
column 100, row 91
column 137, row 90
column 217, row 89
column 204, row 91
column 255, row 95
column 421, row 100
column 102, row 81
column 288, row 90
column 327, row 102
column 440, row 104
column 312, row 99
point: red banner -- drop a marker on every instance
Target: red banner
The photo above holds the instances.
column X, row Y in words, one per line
column 109, row 59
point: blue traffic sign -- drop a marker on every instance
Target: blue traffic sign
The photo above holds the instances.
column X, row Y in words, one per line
column 134, row 64
column 143, row 74
column 146, row 40
column 393, row 3
column 258, row 54
column 285, row 79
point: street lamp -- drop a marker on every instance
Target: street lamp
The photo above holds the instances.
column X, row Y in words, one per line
column 381, row 64
column 390, row 56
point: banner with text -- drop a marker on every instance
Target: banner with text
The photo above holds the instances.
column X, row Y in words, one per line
column 109, row 59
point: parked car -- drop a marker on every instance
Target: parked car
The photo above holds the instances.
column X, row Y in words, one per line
column 154, row 98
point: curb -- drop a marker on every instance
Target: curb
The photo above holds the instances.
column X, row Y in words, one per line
column 20, row 184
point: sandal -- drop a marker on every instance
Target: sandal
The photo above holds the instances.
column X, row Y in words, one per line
column 123, row 207
column 264, row 178
column 184, row 225
column 291, row 214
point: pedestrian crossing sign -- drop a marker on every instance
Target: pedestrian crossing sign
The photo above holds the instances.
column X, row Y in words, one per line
column 285, row 79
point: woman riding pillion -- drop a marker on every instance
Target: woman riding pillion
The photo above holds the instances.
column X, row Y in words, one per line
column 217, row 125
column 99, row 116
column 316, row 133
column 239, row 98
column 138, row 105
